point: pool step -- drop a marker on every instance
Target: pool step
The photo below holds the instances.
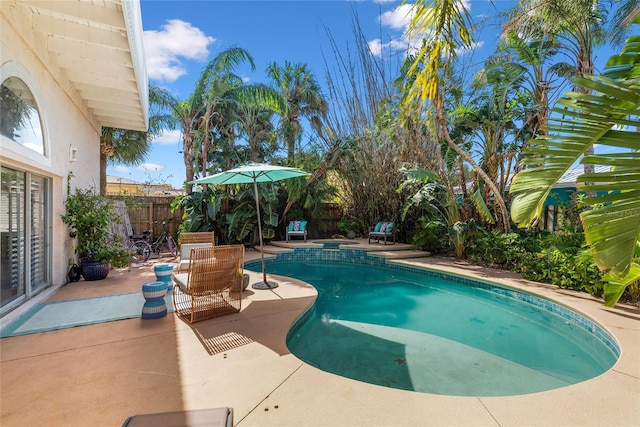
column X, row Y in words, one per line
column 273, row 249
column 399, row 254
column 389, row 251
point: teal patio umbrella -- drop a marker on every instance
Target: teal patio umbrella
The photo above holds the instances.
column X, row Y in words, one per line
column 253, row 173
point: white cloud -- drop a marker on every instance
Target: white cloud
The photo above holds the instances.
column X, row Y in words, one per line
column 165, row 49
column 398, row 18
column 121, row 169
column 376, row 46
column 151, row 167
column 168, row 137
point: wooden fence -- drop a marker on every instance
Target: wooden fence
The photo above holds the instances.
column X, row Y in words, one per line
column 327, row 224
column 148, row 212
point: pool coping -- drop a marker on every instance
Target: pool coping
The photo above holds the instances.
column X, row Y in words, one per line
column 131, row 366
column 612, row 398
column 585, row 305
column 582, row 320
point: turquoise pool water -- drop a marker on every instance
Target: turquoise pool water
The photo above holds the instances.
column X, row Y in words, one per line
column 407, row 330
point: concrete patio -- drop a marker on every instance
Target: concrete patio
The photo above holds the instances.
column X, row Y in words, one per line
column 98, row 375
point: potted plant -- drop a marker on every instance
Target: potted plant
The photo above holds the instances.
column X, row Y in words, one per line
column 88, row 216
column 350, row 226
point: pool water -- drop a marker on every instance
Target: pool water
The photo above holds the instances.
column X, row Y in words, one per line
column 410, row 331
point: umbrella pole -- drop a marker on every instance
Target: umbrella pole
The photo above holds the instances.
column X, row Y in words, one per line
column 264, row 270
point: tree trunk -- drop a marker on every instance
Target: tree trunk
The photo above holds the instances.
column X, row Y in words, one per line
column 187, row 153
column 103, row 173
column 442, row 126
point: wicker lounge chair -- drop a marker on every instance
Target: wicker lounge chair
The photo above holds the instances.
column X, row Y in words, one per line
column 297, row 228
column 383, row 230
column 213, row 285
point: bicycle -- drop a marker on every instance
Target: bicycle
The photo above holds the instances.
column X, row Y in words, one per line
column 141, row 247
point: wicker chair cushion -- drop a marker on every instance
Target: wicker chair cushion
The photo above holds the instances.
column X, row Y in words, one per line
column 180, row 280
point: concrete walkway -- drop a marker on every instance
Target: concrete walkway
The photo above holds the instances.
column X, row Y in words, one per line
column 98, row 375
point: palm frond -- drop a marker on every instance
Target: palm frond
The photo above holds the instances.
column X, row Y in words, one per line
column 478, row 201
column 608, row 116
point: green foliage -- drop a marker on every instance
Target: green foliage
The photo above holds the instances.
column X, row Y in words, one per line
column 242, row 222
column 349, row 223
column 89, row 215
column 499, row 249
column 557, row 259
column 566, row 270
column 115, row 253
column 603, row 111
column 431, row 235
column 201, row 210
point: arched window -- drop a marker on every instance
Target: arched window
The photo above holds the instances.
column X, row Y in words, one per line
column 19, row 115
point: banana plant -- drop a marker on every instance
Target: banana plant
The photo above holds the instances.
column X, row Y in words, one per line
column 608, row 116
column 243, row 221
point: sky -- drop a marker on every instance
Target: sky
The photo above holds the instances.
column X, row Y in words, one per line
column 181, row 37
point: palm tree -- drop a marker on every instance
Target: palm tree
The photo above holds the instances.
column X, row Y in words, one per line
column 539, row 78
column 608, row 116
column 622, row 19
column 187, row 113
column 255, row 123
column 491, row 115
column 121, row 146
column 444, row 26
column 299, row 88
column 234, row 108
column 128, row 147
column 577, row 25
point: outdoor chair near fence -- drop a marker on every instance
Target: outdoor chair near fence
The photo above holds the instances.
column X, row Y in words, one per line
column 191, row 240
column 197, row 237
column 297, row 228
column 213, row 285
column 383, row 230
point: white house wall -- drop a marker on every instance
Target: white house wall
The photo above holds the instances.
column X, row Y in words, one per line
column 64, row 125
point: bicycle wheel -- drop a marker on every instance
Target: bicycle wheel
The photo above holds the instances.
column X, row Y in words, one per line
column 173, row 247
column 140, row 251
column 166, row 247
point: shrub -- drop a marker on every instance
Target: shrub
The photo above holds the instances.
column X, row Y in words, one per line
column 88, row 216
column 431, row 236
column 349, row 223
column 565, row 270
column 498, row 249
column 557, row 259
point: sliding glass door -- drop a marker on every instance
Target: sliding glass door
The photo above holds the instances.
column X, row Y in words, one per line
column 24, row 235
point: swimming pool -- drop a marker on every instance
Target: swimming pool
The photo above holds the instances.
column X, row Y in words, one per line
column 409, row 329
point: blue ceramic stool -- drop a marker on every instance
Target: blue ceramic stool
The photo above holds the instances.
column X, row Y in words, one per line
column 163, row 274
column 154, row 305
